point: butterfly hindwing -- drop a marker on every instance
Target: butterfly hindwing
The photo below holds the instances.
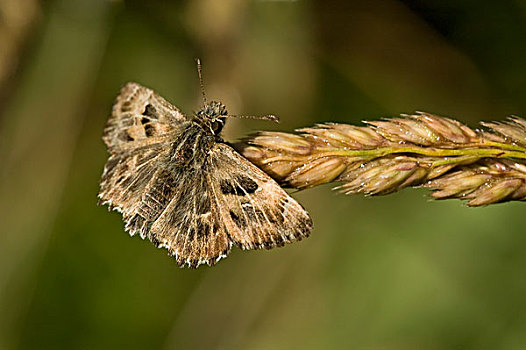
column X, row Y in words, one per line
column 190, row 226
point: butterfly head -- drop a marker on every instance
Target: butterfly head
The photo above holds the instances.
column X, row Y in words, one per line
column 213, row 116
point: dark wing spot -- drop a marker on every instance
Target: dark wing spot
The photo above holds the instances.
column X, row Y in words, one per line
column 240, row 186
column 126, row 106
column 249, row 185
column 226, row 187
column 150, row 111
column 124, row 136
column 149, row 130
column 239, row 220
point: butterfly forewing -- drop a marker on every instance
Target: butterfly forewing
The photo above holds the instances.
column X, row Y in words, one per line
column 183, row 188
column 138, row 134
column 139, row 118
column 257, row 212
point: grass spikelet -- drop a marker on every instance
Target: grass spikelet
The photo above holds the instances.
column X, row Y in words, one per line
column 420, row 150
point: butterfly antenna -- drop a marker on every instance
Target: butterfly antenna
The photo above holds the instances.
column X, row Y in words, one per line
column 270, row 117
column 201, row 80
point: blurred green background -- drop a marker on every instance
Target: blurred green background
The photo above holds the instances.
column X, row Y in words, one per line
column 395, row 272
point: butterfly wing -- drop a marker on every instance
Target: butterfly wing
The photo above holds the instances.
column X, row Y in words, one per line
column 140, row 118
column 138, row 135
column 189, row 226
column 255, row 210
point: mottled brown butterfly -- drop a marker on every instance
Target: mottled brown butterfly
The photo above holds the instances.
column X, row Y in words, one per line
column 179, row 184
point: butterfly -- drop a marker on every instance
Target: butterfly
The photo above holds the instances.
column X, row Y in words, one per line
column 180, row 185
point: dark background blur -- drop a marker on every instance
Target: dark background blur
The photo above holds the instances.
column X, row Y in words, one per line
column 395, row 272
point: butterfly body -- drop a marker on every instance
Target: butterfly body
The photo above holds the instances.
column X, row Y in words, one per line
column 177, row 183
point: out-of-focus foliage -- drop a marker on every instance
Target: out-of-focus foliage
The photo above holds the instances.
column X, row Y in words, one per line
column 393, row 272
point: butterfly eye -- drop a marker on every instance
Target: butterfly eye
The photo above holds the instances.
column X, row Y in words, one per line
column 217, row 126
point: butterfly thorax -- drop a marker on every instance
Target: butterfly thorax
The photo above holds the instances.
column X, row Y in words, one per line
column 196, row 141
